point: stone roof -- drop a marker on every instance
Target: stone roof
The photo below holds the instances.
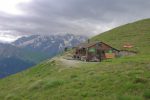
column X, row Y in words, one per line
column 86, row 45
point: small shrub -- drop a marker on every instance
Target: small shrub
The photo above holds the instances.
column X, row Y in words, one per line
column 52, row 83
column 84, row 94
column 53, row 63
column 130, row 86
column 73, row 76
column 147, row 94
column 140, row 80
column 36, row 85
column 91, row 73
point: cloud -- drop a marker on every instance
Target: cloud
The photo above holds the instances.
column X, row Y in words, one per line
column 85, row 17
column 7, row 38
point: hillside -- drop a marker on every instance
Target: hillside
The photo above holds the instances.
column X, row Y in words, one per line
column 137, row 34
column 125, row 78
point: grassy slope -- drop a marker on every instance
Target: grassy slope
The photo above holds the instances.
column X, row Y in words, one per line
column 126, row 78
column 137, row 34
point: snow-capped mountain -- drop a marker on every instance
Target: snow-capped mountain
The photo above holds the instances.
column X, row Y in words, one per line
column 30, row 50
column 50, row 44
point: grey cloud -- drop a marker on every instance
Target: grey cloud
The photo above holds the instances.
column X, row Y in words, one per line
column 75, row 16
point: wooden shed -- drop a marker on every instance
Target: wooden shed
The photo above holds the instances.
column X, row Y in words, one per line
column 95, row 51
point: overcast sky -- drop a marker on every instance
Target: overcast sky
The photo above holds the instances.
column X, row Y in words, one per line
column 86, row 17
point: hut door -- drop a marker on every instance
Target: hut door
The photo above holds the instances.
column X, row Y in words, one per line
column 101, row 54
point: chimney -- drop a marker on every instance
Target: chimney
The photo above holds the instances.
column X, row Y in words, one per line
column 88, row 40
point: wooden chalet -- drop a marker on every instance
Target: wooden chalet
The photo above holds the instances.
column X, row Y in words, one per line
column 95, row 51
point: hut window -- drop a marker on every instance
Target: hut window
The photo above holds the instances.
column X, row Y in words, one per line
column 103, row 52
column 92, row 50
column 110, row 51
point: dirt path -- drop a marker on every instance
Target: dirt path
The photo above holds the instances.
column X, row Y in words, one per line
column 69, row 63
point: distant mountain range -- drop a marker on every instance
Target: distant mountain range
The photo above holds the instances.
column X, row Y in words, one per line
column 29, row 50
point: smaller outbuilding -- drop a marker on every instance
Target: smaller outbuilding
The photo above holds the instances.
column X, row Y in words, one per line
column 95, row 51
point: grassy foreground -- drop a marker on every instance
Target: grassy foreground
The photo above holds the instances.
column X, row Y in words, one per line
column 126, row 78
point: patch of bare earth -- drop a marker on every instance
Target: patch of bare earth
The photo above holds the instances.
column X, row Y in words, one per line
column 69, row 63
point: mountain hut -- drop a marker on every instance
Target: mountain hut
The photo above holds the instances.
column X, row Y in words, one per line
column 95, row 51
